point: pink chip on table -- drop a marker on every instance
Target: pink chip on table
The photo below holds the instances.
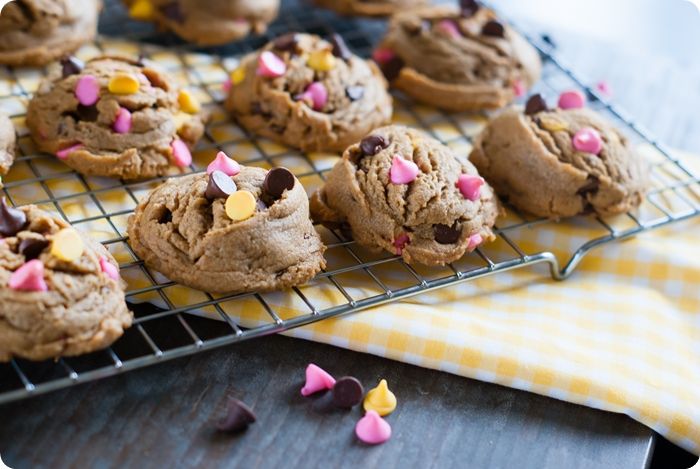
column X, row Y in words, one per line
column 122, row 123
column 403, row 171
column 372, row 429
column 470, row 186
column 588, row 140
column 63, row 154
column 181, row 154
column 572, row 99
column 87, row 90
column 108, row 268
column 605, row 88
column 317, row 379
column 29, row 277
column 271, row 66
column 223, row 163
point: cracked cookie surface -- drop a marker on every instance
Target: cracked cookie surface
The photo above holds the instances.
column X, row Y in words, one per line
column 428, row 219
column 369, row 7
column 82, row 308
column 115, row 117
column 36, row 32
column 319, row 96
column 532, row 162
column 7, row 144
column 191, row 238
column 457, row 60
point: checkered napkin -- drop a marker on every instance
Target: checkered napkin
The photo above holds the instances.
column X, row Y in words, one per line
column 623, row 334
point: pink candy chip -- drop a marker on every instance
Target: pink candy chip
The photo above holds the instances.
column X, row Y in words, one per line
column 474, row 241
column 604, row 87
column 63, row 154
column 470, row 186
column 403, row 171
column 181, row 154
column 318, row 94
column 227, row 85
column 372, row 429
column 317, row 379
column 108, row 268
column 518, row 88
column 224, row 164
column 382, row 56
column 29, row 277
column 588, row 140
column 400, row 242
column 450, row 27
column 87, row 90
column 122, row 123
column 271, row 66
column 573, row 99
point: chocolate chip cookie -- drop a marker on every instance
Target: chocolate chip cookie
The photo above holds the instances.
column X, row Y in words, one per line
column 229, row 231
column 36, row 32
column 115, row 117
column 309, row 93
column 207, row 23
column 61, row 294
column 404, row 192
column 7, row 144
column 457, row 59
column 559, row 162
column 369, row 7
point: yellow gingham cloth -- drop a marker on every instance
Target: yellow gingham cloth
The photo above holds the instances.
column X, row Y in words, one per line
column 622, row 335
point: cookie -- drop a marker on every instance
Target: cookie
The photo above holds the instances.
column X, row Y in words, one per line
column 7, row 144
column 115, row 117
column 36, row 32
column 207, row 23
column 60, row 292
column 217, row 233
column 369, row 7
column 309, row 93
column 559, row 162
column 457, row 60
column 404, row 192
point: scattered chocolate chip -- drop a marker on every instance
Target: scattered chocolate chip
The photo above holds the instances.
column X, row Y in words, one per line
column 590, row 187
column 494, row 29
column 373, row 144
column 392, row 67
column 468, row 8
column 535, row 104
column 220, row 185
column 547, row 39
column 173, row 11
column 31, row 248
column 12, row 220
column 347, row 392
column 447, row 234
column 287, row 42
column 355, row 92
column 71, row 66
column 86, row 113
column 340, row 48
column 238, row 417
column 166, row 216
column 277, row 181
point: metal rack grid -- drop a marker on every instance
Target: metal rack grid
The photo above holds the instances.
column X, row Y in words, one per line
column 162, row 333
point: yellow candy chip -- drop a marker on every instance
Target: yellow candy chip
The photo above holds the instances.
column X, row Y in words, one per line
column 380, row 399
column 240, row 205
column 67, row 245
column 321, row 60
column 237, row 76
column 188, row 103
column 553, row 125
column 142, row 10
column 123, row 83
column 180, row 120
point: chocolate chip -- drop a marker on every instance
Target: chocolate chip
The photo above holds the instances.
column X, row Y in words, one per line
column 277, row 181
column 173, row 11
column 494, row 29
column 260, row 205
column 468, row 8
column 355, row 92
column 340, row 49
column 347, row 392
column 71, row 66
column 392, row 67
column 287, row 42
column 535, row 104
column 447, row 234
column 31, row 248
column 166, row 216
column 373, row 144
column 238, row 417
column 86, row 113
column 220, row 185
column 590, row 187
column 12, row 220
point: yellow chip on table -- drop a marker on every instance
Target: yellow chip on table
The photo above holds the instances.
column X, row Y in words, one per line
column 67, row 245
column 240, row 205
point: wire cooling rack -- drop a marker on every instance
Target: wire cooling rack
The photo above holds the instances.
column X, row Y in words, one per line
column 165, row 332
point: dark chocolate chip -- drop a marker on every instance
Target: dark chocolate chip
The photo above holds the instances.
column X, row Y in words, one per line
column 31, row 248
column 447, row 234
column 173, row 11
column 392, row 67
column 535, row 104
column 238, row 417
column 355, row 92
column 494, row 29
column 373, row 144
column 286, row 43
column 87, row 113
column 340, row 49
column 590, row 187
column 347, row 392
column 220, row 185
column 277, row 181
column 166, row 216
column 12, row 220
column 468, row 8
column 71, row 66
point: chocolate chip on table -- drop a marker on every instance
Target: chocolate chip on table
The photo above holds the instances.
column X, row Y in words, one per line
column 340, row 48
column 392, row 67
column 535, row 104
column 277, row 181
column 494, row 29
column 12, row 220
column 220, row 185
column 286, row 43
column 71, row 66
column 173, row 11
column 468, row 8
column 87, row 113
column 31, row 248
column 355, row 93
column 447, row 234
column 373, row 144
column 347, row 392
column 238, row 417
